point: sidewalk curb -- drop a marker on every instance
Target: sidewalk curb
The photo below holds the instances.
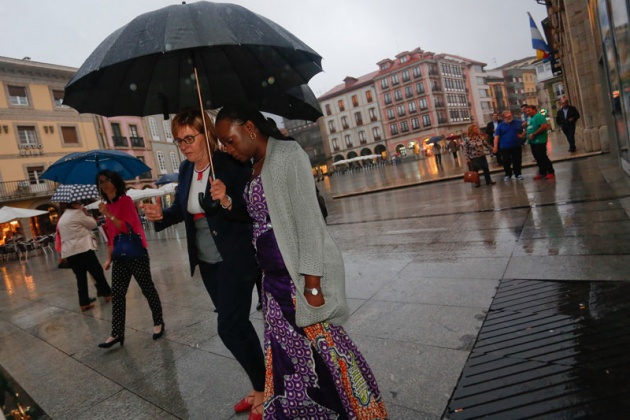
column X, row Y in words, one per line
column 456, row 177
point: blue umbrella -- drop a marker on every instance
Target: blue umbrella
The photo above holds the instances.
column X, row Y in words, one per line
column 70, row 193
column 82, row 167
column 167, row 179
column 435, row 139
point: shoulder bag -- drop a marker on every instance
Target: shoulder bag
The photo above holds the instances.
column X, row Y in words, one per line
column 128, row 246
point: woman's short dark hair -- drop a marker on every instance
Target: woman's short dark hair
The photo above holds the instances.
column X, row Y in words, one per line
column 241, row 113
column 116, row 180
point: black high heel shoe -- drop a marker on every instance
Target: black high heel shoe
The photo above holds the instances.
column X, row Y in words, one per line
column 160, row 334
column 108, row 344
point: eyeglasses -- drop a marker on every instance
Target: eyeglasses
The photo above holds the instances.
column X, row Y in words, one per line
column 190, row 139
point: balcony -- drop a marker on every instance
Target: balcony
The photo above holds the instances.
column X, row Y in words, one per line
column 373, row 118
column 18, row 190
column 137, row 142
column 377, row 138
column 120, row 141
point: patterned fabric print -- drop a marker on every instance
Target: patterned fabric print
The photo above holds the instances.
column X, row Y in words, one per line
column 475, row 146
column 257, row 207
column 121, row 277
column 311, row 373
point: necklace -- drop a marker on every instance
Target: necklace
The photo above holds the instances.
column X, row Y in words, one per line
column 200, row 173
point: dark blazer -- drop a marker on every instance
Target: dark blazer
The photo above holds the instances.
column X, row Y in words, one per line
column 571, row 113
column 231, row 230
column 490, row 128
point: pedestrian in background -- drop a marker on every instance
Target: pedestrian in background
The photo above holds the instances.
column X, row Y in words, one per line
column 475, row 149
column 490, row 129
column 437, row 152
column 567, row 118
column 453, row 147
column 537, row 135
column 120, row 212
column 77, row 243
column 507, row 138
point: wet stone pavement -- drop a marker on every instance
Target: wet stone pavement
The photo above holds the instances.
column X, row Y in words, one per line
column 423, row 265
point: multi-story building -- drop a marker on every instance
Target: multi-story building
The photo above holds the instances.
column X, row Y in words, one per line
column 352, row 122
column 498, row 92
column 520, row 83
column 36, row 129
column 309, row 135
column 166, row 155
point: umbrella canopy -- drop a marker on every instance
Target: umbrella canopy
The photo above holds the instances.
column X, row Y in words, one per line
column 149, row 66
column 340, row 162
column 167, row 179
column 82, row 167
column 435, row 139
column 169, row 188
column 298, row 103
column 8, row 214
column 70, row 193
column 136, row 195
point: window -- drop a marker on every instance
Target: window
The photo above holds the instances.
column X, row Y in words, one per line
column 58, row 98
column 355, row 101
column 117, row 137
column 133, row 131
column 391, row 114
column 362, row 137
column 328, row 111
column 17, row 95
column 27, row 136
column 376, row 132
column 69, row 135
column 368, row 96
column 408, row 92
column 34, row 174
column 153, row 127
column 416, row 72
column 344, row 122
column 415, row 123
column 174, row 162
column 423, row 104
column 426, row 120
column 372, row 114
column 401, row 110
column 404, row 126
column 161, row 161
column 147, row 174
column 358, row 118
column 395, row 80
column 420, row 88
column 405, row 76
column 393, row 128
column 398, row 95
column 384, row 84
column 348, row 139
column 412, row 107
column 335, row 144
column 387, row 98
column 331, row 126
column 341, row 105
column 167, row 129
column 404, row 59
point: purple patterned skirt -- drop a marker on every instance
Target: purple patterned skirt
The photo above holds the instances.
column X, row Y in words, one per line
column 315, row 372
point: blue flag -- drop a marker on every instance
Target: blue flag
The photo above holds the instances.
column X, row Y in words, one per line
column 538, row 43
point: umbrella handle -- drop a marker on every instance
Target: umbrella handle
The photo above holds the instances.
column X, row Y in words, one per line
column 208, row 207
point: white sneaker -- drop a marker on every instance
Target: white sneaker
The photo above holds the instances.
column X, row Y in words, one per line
column 520, row 177
column 507, row 178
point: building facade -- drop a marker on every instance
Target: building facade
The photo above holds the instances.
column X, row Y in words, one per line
column 309, row 135
column 166, row 155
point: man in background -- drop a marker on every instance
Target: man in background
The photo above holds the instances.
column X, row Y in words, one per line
column 537, row 136
column 566, row 118
column 507, row 139
column 490, row 129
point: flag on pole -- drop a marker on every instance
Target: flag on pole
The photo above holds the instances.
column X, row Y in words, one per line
column 538, row 42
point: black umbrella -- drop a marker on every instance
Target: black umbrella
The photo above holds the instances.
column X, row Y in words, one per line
column 298, row 103
column 148, row 66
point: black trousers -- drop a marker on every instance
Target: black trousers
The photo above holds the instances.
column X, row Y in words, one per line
column 569, row 131
column 438, row 159
column 481, row 163
column 122, row 271
column 539, row 151
column 82, row 264
column 232, row 296
column 512, row 160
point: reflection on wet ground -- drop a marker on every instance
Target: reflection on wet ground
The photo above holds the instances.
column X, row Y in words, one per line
column 423, row 265
column 549, row 349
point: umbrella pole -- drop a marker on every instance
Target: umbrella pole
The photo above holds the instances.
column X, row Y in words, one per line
column 203, row 119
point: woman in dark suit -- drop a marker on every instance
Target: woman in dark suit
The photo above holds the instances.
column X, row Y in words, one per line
column 219, row 239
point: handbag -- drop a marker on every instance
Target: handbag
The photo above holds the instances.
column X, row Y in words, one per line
column 128, row 246
column 471, row 176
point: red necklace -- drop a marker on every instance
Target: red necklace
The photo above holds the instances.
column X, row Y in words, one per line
column 200, row 173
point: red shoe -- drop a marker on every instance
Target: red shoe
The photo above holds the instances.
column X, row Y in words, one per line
column 539, row 176
column 243, row 406
column 550, row 176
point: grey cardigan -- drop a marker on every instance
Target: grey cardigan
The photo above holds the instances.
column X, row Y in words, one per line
column 300, row 230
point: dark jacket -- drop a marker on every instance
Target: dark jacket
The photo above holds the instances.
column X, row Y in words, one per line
column 231, row 230
column 571, row 113
column 490, row 128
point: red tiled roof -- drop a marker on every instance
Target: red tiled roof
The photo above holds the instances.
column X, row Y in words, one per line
column 345, row 87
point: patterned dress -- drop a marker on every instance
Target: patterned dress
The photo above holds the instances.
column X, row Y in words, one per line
column 314, row 372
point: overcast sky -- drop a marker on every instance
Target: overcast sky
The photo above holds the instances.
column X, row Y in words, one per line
column 351, row 35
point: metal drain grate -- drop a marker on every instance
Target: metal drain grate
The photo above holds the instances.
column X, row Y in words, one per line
column 549, row 349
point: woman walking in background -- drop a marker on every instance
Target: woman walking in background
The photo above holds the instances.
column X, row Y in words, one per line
column 314, row 370
column 74, row 230
column 475, row 148
column 120, row 212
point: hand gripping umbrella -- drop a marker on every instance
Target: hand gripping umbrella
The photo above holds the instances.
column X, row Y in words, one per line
column 191, row 55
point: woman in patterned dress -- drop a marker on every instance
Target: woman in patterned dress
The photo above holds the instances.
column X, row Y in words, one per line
column 475, row 149
column 313, row 369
